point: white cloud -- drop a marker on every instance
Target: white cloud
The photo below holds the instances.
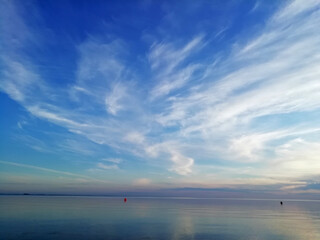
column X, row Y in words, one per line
column 298, row 156
column 181, row 164
column 171, row 151
column 251, row 147
column 99, row 63
column 18, row 80
column 294, row 8
column 166, row 56
column 173, row 81
column 107, row 167
column 52, row 171
column 166, row 62
column 113, row 160
column 114, row 97
column 53, row 117
column 135, row 137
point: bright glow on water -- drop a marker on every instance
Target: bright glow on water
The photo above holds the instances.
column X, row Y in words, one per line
column 34, row 217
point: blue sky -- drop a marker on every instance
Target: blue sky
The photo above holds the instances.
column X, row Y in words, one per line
column 123, row 96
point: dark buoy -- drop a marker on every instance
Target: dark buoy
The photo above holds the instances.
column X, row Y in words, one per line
column 125, row 199
column 281, row 203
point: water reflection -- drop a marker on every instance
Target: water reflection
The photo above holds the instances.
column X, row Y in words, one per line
column 30, row 217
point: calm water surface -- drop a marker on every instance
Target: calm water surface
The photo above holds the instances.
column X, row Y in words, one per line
column 35, row 217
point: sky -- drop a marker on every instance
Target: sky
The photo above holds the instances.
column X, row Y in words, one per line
column 171, row 97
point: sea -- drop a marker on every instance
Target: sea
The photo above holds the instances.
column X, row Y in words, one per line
column 85, row 217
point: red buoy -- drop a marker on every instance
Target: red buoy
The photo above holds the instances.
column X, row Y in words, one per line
column 125, row 199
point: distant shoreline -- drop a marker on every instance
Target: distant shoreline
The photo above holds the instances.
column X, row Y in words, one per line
column 157, row 197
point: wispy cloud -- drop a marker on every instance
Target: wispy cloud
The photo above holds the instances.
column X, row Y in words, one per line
column 51, row 171
column 299, row 156
column 113, row 99
column 113, row 160
column 107, row 167
column 166, row 61
column 182, row 165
